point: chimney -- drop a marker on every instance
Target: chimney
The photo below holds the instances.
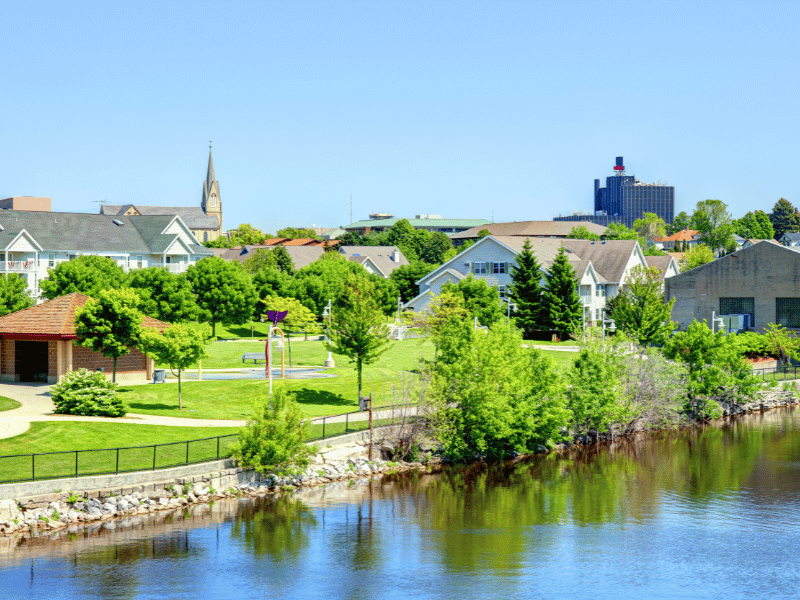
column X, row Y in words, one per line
column 396, row 255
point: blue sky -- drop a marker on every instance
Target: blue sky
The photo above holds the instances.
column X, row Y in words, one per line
column 464, row 109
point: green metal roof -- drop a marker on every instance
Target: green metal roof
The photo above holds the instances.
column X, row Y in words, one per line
column 419, row 223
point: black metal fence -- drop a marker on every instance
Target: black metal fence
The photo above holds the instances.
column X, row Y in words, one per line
column 84, row 463
column 779, row 373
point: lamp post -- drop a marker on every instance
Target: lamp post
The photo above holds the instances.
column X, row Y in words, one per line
column 611, row 325
column 399, row 304
column 583, row 318
column 509, row 304
column 329, row 363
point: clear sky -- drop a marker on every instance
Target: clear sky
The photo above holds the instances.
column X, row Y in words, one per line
column 504, row 110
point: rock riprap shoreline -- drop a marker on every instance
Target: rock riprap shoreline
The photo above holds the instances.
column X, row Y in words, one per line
column 73, row 510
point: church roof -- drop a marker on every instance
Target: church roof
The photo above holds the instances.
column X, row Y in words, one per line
column 193, row 216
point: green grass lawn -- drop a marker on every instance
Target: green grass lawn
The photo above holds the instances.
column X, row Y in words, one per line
column 234, row 399
column 8, row 404
column 52, row 436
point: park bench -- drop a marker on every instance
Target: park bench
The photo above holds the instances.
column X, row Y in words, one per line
column 254, row 356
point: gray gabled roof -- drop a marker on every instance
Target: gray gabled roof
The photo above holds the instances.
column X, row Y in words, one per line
column 791, row 236
column 81, row 232
column 530, row 229
column 193, row 216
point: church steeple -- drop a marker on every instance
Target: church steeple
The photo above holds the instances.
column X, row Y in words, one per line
column 212, row 204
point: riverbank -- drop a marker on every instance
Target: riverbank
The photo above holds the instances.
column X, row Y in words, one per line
column 74, row 510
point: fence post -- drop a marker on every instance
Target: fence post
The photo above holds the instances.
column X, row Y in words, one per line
column 217, row 447
column 346, row 422
column 117, row 460
column 154, row 456
column 76, row 463
column 33, row 467
column 187, row 452
column 323, row 427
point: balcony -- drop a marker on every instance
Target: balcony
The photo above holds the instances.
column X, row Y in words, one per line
column 19, row 266
column 176, row 267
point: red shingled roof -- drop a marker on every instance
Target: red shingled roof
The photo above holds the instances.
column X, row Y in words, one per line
column 54, row 319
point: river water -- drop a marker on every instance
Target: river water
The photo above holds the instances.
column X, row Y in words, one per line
column 709, row 513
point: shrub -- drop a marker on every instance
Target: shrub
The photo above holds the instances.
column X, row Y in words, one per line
column 87, row 393
column 273, row 440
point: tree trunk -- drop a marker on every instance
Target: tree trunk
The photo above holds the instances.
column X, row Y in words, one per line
column 114, row 371
column 358, row 366
column 213, row 329
column 180, row 400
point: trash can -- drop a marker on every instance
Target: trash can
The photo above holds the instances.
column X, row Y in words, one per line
column 160, row 376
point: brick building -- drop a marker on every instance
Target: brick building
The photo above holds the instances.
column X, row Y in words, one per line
column 39, row 344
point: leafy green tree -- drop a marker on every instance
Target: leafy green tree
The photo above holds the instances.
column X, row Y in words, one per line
column 653, row 250
column 165, row 296
column 400, row 233
column 480, row 299
column 86, row 393
column 492, row 396
column 180, row 347
column 357, row 328
column 639, row 308
column 526, row 291
column 618, row 231
column 781, row 343
column 275, row 258
column 595, row 394
column 405, row 278
column 650, row 226
column 717, row 369
column 679, row 223
column 483, row 233
column 269, row 281
column 715, row 224
column 582, row 233
column 13, row 294
column 247, row 235
column 85, row 274
column 445, row 309
column 696, row 256
column 296, row 233
column 221, row 242
column 273, row 441
column 435, row 249
column 784, row 218
column 325, row 279
column 353, row 238
column 767, row 231
column 748, row 227
column 298, row 315
column 110, row 324
column 224, row 290
column 565, row 307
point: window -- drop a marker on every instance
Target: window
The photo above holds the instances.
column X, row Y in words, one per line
column 502, row 290
column 51, row 260
column 596, row 314
column 787, row 312
column 479, row 268
column 584, row 290
column 737, row 306
column 139, row 262
column 205, row 236
column 600, row 290
column 499, row 267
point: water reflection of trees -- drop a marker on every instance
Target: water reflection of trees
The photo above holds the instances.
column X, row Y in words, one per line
column 277, row 527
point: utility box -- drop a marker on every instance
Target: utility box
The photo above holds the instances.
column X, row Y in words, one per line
column 363, row 403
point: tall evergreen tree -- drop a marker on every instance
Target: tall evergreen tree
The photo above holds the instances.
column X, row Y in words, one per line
column 526, row 290
column 562, row 297
column 784, row 218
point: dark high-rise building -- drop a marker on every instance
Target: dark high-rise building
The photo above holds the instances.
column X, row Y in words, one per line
column 625, row 199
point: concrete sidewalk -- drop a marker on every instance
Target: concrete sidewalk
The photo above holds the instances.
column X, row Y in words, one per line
column 37, row 406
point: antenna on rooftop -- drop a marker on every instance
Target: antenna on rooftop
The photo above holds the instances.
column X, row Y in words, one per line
column 100, row 201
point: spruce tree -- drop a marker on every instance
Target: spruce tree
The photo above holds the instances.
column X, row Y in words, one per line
column 562, row 297
column 526, row 290
column 784, row 218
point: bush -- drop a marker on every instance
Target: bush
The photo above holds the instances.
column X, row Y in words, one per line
column 272, row 442
column 87, row 393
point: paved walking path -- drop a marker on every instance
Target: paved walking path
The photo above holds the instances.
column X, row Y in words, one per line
column 37, row 406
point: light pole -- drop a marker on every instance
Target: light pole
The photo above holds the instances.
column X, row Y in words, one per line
column 329, row 363
column 583, row 319
column 611, row 325
column 399, row 304
column 509, row 304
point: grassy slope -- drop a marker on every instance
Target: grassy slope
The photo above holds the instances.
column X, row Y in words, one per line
column 8, row 404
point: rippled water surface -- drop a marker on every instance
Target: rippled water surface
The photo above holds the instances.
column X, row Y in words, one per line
column 707, row 513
